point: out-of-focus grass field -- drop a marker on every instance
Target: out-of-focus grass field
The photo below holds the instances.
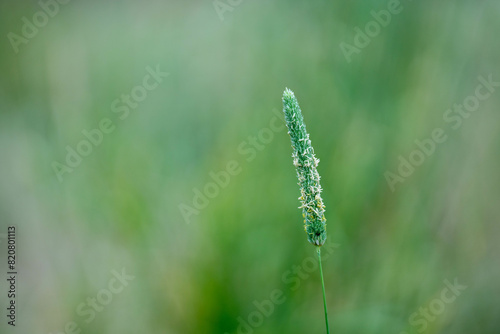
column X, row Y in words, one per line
column 120, row 207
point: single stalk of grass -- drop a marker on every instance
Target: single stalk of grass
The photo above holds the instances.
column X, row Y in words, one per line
column 305, row 162
column 323, row 286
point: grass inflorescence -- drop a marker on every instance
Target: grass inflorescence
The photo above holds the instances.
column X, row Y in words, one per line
column 306, row 163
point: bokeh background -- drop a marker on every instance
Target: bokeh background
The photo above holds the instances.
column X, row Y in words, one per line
column 120, row 208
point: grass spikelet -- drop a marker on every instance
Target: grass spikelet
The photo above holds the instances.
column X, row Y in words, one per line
column 305, row 162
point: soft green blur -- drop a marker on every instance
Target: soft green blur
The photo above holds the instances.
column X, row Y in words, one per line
column 121, row 206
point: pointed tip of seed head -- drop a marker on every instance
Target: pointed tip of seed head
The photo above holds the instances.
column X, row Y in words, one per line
column 289, row 100
column 288, row 93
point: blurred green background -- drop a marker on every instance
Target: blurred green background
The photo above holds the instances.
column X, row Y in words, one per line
column 121, row 206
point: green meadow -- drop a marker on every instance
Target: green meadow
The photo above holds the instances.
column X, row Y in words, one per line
column 147, row 169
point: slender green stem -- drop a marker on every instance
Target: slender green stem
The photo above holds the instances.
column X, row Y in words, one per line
column 323, row 285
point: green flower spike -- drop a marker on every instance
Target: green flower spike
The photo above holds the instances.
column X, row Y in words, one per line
column 304, row 160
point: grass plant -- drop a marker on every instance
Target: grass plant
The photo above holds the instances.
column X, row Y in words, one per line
column 306, row 163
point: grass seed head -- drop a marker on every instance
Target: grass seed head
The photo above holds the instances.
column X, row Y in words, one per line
column 305, row 162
